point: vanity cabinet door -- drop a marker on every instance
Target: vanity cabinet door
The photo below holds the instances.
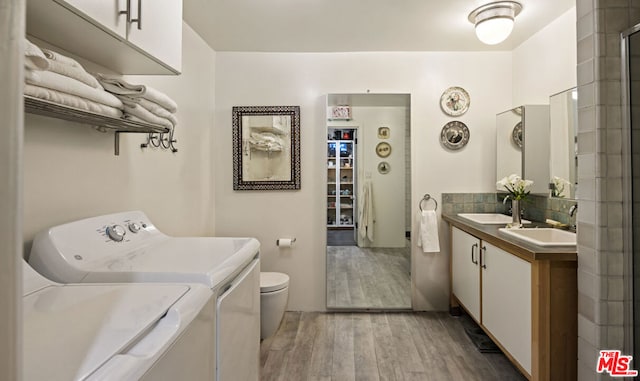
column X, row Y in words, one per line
column 465, row 273
column 506, row 301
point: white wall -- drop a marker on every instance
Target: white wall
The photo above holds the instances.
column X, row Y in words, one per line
column 252, row 79
column 70, row 170
column 545, row 64
column 388, row 189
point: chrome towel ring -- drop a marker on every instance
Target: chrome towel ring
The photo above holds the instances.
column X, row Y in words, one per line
column 425, row 198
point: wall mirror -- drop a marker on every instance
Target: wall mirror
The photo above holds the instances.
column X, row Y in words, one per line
column 508, row 149
column 522, row 145
column 368, row 208
column 563, row 159
column 266, row 147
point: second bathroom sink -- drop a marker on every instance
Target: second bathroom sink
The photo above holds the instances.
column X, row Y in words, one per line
column 489, row 218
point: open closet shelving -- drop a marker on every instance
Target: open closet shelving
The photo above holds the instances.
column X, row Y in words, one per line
column 340, row 183
column 103, row 123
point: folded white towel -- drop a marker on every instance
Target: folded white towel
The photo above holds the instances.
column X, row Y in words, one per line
column 119, row 86
column 34, row 58
column 428, row 232
column 153, row 108
column 71, row 100
column 71, row 86
column 366, row 212
column 55, row 56
column 75, row 72
column 146, row 116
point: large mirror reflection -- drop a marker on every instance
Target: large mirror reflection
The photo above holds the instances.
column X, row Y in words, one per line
column 522, row 145
column 368, row 201
column 563, row 159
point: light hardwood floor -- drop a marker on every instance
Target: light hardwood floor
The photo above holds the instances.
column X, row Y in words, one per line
column 425, row 346
column 368, row 278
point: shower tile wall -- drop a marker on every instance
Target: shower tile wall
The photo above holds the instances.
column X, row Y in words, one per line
column 601, row 317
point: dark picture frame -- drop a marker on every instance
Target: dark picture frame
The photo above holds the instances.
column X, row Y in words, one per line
column 266, row 147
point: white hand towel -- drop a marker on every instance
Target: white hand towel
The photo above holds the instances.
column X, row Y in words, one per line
column 75, row 72
column 50, row 54
column 71, row 101
column 119, row 86
column 34, row 58
column 428, row 233
column 153, row 108
column 142, row 113
column 365, row 222
column 71, row 86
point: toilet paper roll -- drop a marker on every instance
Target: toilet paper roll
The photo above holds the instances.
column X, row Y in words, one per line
column 285, row 242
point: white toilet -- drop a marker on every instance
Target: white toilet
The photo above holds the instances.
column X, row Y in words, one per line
column 274, row 293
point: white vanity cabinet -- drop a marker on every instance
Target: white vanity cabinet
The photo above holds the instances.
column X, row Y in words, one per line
column 146, row 38
column 506, row 301
column 465, row 271
column 523, row 296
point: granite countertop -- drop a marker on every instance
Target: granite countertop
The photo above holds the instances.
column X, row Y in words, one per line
column 527, row 251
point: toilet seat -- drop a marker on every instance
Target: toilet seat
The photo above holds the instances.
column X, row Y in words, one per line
column 270, row 281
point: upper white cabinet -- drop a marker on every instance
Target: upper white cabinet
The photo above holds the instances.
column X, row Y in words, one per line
column 127, row 36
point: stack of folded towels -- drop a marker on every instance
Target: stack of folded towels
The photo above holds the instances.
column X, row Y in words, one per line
column 142, row 103
column 60, row 79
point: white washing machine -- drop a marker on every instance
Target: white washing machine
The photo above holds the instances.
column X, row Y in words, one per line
column 127, row 247
column 115, row 331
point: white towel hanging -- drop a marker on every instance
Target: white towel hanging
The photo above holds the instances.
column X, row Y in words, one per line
column 428, row 232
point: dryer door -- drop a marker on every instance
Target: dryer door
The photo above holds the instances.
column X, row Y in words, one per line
column 238, row 327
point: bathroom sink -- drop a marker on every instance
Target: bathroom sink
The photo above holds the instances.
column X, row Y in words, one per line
column 543, row 236
column 489, row 218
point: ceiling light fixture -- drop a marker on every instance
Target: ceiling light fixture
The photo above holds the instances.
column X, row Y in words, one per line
column 494, row 21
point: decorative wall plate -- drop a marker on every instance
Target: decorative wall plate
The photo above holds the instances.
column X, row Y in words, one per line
column 384, row 132
column 383, row 149
column 454, row 135
column 384, row 167
column 516, row 135
column 455, row 101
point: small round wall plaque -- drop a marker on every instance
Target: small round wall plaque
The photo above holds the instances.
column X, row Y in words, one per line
column 384, row 167
column 383, row 149
column 454, row 135
column 516, row 135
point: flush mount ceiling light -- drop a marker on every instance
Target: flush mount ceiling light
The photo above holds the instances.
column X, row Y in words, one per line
column 494, row 21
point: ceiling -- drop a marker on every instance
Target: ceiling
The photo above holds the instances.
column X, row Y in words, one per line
column 355, row 25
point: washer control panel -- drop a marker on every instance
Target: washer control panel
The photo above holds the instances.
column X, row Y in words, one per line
column 134, row 227
column 116, row 232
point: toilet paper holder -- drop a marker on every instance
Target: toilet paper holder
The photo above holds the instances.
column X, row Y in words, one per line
column 286, row 242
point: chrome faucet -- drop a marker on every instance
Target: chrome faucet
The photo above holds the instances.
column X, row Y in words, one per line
column 573, row 210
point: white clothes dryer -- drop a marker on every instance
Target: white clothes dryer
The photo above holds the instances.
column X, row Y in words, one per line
column 115, row 331
column 127, row 247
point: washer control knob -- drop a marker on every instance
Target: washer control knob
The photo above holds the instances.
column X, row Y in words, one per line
column 116, row 232
column 134, row 227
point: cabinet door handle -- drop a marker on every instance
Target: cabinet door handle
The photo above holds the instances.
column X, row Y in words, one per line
column 483, row 250
column 473, row 258
column 127, row 12
column 139, row 19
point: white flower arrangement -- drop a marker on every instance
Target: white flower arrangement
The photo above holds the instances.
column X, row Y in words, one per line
column 559, row 185
column 516, row 186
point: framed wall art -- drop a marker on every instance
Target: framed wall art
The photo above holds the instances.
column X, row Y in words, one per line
column 266, row 147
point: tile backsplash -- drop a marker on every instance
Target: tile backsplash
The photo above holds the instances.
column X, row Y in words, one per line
column 536, row 208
